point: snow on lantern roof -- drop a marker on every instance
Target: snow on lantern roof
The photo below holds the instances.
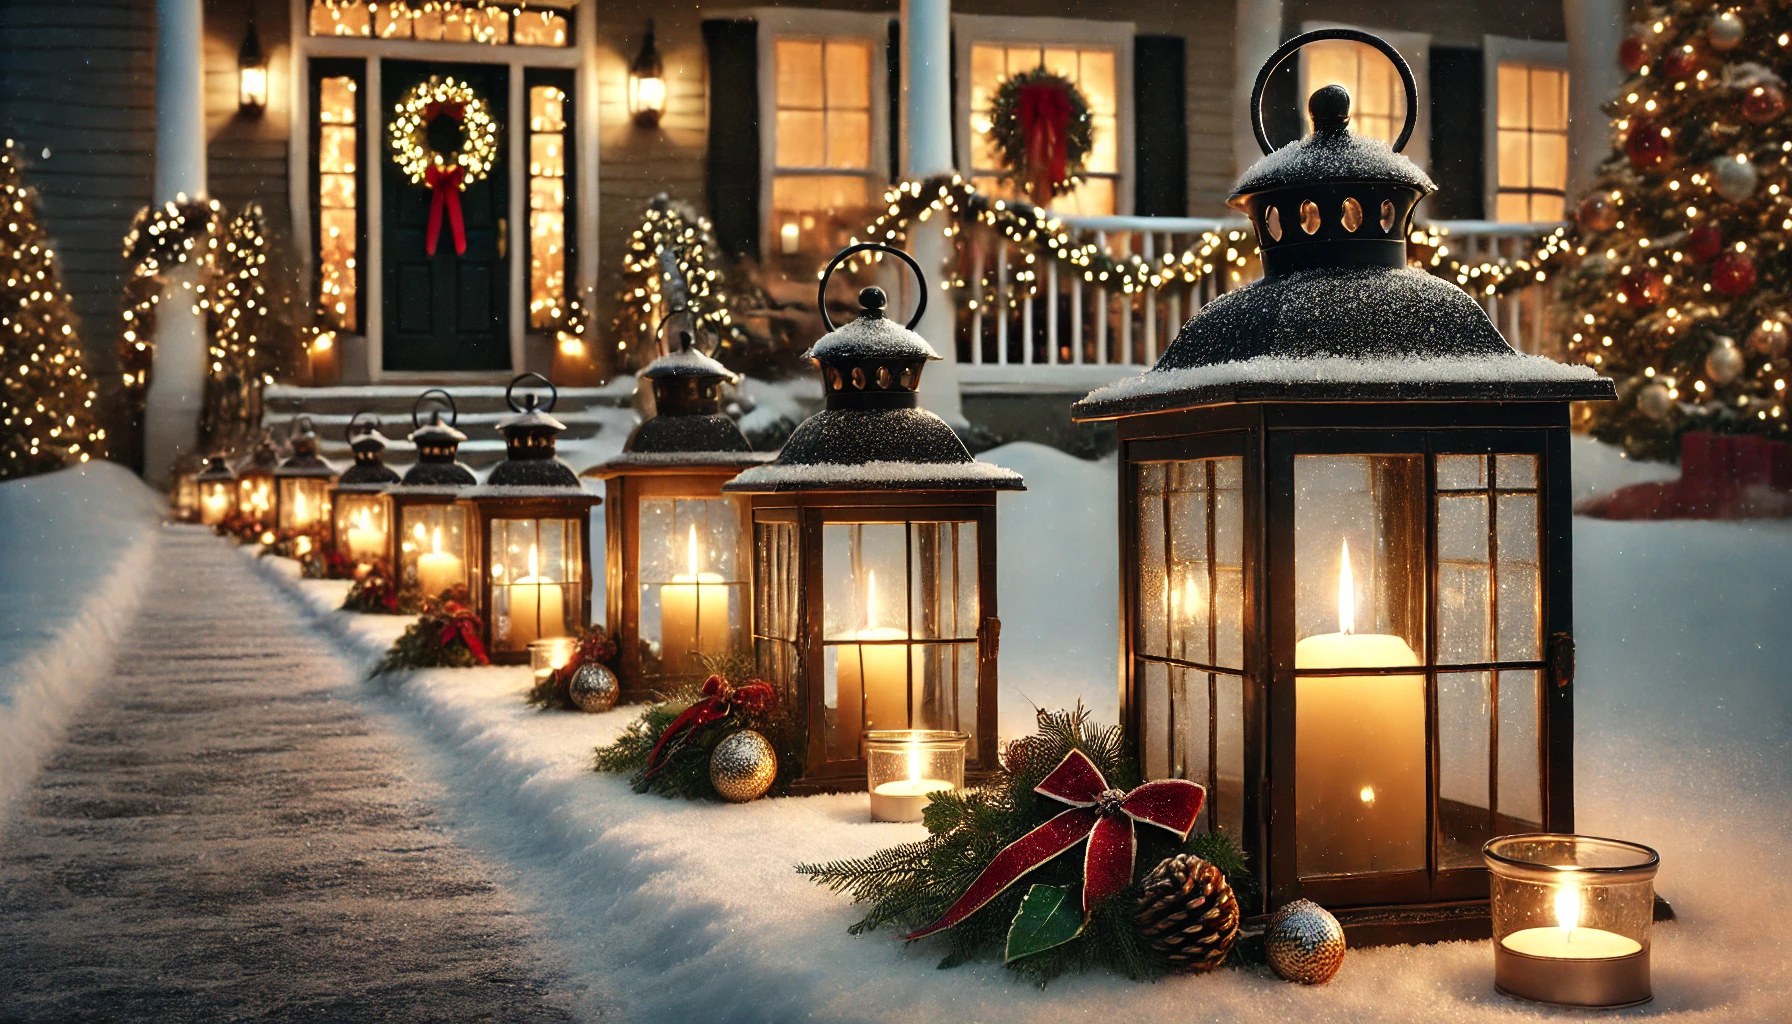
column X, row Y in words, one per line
column 687, row 361
column 871, row 335
column 216, row 468
column 1332, row 154
column 874, row 449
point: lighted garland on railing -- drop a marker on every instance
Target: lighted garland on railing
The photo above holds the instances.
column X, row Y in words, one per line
column 672, row 260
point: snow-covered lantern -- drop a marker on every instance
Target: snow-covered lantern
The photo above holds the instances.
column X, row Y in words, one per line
column 1345, row 551
column 676, row 547
column 436, row 547
column 360, row 511
column 874, row 555
column 217, row 491
column 255, row 482
column 532, row 517
column 302, row 483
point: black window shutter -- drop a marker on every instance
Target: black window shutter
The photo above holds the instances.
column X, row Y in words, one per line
column 1458, row 113
column 733, row 162
column 1160, row 127
column 893, row 74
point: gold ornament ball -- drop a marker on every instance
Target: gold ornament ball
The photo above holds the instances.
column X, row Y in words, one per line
column 594, row 688
column 1723, row 363
column 1304, row 943
column 1725, row 31
column 743, row 766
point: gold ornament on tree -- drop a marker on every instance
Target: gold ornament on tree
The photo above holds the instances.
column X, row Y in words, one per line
column 1189, row 913
column 1734, row 177
column 1725, row 31
column 743, row 766
column 1723, row 363
column 1304, row 943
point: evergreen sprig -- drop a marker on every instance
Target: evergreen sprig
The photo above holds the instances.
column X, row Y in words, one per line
column 911, row 885
column 684, row 771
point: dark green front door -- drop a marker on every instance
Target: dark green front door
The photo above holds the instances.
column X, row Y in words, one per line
column 447, row 311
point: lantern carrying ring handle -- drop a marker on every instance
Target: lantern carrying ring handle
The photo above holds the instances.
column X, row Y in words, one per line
column 553, row 392
column 660, row 328
column 292, row 426
column 821, row 293
column 453, row 410
column 1356, row 36
column 348, row 432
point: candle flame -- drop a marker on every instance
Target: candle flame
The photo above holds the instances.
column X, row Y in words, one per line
column 298, row 506
column 1367, row 795
column 1567, row 911
column 419, row 532
column 693, row 554
column 1346, row 593
column 871, row 599
column 437, row 540
column 914, row 761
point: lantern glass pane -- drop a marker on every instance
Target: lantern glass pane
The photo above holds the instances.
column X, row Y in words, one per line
column 1152, row 580
column 944, row 690
column 535, row 580
column 1520, row 600
column 865, row 582
column 433, row 549
column 693, row 590
column 1464, row 735
column 1464, row 575
column 216, row 500
column 1225, row 794
column 777, row 576
column 1516, row 472
column 1462, row 472
column 1190, row 579
column 943, row 604
column 255, row 497
column 363, row 523
column 1520, row 800
column 304, row 503
column 1361, row 762
column 1194, row 729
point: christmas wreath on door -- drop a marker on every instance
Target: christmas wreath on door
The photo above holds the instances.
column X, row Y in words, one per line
column 417, row 134
column 1042, row 131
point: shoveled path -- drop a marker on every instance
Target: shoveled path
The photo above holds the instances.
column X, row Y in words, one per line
column 223, row 837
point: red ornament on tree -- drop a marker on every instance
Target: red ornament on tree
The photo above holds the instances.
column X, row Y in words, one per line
column 1681, row 63
column 1645, row 147
column 1764, row 103
column 1597, row 213
column 1705, row 243
column 1644, row 289
column 1633, row 53
column 1733, row 275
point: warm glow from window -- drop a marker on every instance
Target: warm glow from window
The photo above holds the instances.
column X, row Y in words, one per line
column 439, row 21
column 338, row 154
column 1377, row 99
column 822, row 142
column 1533, row 143
column 1092, row 69
column 547, row 204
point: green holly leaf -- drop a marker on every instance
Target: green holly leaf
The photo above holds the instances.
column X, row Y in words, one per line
column 1047, row 918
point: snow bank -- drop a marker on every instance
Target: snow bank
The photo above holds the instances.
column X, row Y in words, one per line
column 683, row 911
column 75, row 552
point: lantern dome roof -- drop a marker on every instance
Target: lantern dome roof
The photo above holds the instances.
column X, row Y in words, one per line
column 872, row 335
column 304, row 460
column 437, row 432
column 687, row 361
column 688, row 427
column 216, row 468
column 369, row 448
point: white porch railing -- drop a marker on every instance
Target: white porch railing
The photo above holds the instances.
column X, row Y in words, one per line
column 1040, row 315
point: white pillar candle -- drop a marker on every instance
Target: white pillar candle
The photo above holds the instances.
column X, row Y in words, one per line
column 875, row 676
column 537, row 609
column 214, row 505
column 438, row 570
column 693, row 616
column 1359, row 762
column 365, row 541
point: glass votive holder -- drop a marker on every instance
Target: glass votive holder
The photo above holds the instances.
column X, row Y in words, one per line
column 549, row 656
column 904, row 766
column 1571, row 917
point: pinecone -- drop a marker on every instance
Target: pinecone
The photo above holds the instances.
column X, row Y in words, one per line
column 1188, row 913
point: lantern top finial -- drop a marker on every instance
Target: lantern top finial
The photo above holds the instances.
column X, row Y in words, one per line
column 369, row 448
column 304, row 460
column 529, row 456
column 872, row 335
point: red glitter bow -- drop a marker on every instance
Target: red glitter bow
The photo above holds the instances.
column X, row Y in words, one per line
column 1101, row 815
column 460, row 621
column 719, row 698
column 1043, row 110
column 445, row 184
column 431, row 111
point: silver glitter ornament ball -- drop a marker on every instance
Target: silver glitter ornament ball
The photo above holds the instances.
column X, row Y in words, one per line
column 594, row 688
column 1723, row 363
column 1654, row 401
column 1304, row 943
column 743, row 766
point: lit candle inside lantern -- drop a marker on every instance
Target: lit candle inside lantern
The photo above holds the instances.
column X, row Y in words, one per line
column 1359, row 749
column 547, row 657
column 1568, row 940
column 693, row 616
column 905, row 799
column 365, row 541
column 438, row 570
column 876, row 674
column 537, row 609
column 301, row 512
column 215, row 505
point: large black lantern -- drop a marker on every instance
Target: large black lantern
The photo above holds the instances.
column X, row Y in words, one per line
column 532, row 516
column 676, row 547
column 302, row 483
column 874, row 556
column 436, row 548
column 360, row 511
column 1345, row 551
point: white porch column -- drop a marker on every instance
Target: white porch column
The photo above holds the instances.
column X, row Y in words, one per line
column 927, row 139
column 1256, row 33
column 1595, row 28
column 177, row 379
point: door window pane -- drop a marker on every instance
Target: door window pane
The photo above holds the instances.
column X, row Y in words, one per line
column 547, row 205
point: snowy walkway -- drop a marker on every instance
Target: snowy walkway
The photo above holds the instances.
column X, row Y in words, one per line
column 222, row 837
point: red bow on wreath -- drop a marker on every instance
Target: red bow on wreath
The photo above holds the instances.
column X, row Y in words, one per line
column 445, row 184
column 460, row 621
column 1044, row 110
column 1101, row 815
column 719, row 698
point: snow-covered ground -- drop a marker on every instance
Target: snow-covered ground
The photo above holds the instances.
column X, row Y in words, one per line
column 75, row 549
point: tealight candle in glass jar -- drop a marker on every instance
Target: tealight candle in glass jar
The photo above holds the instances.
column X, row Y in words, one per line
column 904, row 767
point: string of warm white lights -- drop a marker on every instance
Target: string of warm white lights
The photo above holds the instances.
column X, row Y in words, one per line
column 410, row 131
column 672, row 261
column 46, row 395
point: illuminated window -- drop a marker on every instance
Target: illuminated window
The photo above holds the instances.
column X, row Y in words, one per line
column 338, row 154
column 1093, row 71
column 1377, row 99
column 547, row 204
column 441, row 21
column 1532, row 132
column 823, row 143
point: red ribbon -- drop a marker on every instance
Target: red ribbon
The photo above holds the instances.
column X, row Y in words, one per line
column 1103, row 816
column 446, row 186
column 464, row 624
column 719, row 699
column 1043, row 109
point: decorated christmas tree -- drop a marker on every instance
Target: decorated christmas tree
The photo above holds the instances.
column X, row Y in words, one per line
column 1682, row 293
column 46, row 396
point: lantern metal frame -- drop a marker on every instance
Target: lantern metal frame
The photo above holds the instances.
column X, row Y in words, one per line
column 872, row 456
column 532, row 483
column 1207, row 399
column 257, row 470
column 303, row 467
column 437, row 479
column 367, row 478
column 647, row 104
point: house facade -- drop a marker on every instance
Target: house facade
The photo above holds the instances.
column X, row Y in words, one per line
column 784, row 125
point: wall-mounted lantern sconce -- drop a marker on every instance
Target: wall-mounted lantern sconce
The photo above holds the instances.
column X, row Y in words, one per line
column 647, row 84
column 251, row 72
